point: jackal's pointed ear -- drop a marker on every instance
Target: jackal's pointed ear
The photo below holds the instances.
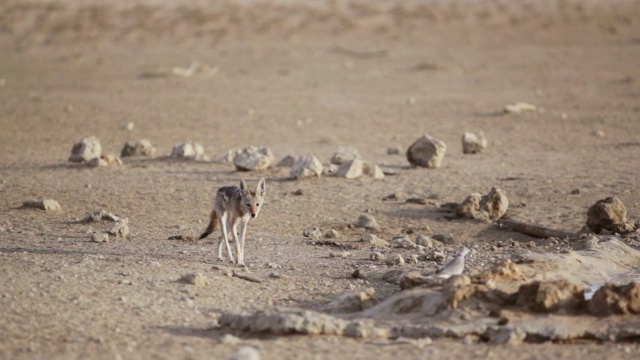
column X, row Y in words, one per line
column 243, row 186
column 262, row 187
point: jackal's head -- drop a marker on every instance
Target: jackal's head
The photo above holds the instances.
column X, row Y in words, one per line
column 252, row 200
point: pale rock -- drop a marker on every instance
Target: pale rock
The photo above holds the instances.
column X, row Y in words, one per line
column 142, row 147
column 253, row 158
column 332, row 234
column 86, row 149
column 344, row 154
column 105, row 160
column 372, row 170
column 376, row 256
column 246, row 353
column 188, row 151
column 403, row 242
column 373, row 240
column 519, row 107
column 100, row 237
column 368, row 222
column 424, row 240
column 312, row 232
column 395, row 259
column 196, row 279
column 426, row 152
column 351, row 169
column 286, row 161
column 306, row 166
column 120, row 228
column 473, row 143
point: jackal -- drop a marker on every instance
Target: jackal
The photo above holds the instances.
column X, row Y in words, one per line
column 235, row 206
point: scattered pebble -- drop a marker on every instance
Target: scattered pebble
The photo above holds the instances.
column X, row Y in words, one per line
column 286, row 161
column 246, row 353
column 312, row 232
column 394, row 150
column 473, row 143
column 196, row 279
column 332, row 234
column 376, row 256
column 341, row 254
column 142, row 147
column 351, row 169
column 344, row 154
column 426, row 152
column 189, row 151
column 519, row 107
column 86, row 149
column 306, row 166
column 253, row 158
column 395, row 259
column 368, row 222
column 42, row 204
column 100, row 237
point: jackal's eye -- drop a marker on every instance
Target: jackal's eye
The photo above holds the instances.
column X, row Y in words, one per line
column 257, row 204
column 249, row 204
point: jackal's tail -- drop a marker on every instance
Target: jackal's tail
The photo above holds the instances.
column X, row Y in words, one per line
column 213, row 224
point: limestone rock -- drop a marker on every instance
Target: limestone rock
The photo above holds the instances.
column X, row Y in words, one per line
column 424, row 240
column 403, row 242
column 551, row 296
column 519, row 107
column 394, row 150
column 329, row 169
column 351, row 169
column 306, row 166
column 473, row 143
column 332, row 234
column 394, row 276
column 395, row 259
column 100, row 237
column 188, row 151
column 196, row 279
column 86, row 149
column 142, row 147
column 99, row 216
column 42, row 204
column 508, row 336
column 373, row 240
column 613, row 299
column 372, row 170
column 426, row 152
column 352, row 301
column 606, row 214
column 368, row 222
column 376, row 256
column 491, row 206
column 343, row 154
column 312, row 232
column 341, row 254
column 253, row 158
column 120, row 228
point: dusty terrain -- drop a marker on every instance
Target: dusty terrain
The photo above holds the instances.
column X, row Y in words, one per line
column 297, row 79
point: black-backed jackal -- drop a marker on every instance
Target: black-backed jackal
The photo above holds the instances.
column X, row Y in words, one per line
column 233, row 207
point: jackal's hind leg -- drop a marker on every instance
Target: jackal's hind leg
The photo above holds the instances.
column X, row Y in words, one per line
column 223, row 223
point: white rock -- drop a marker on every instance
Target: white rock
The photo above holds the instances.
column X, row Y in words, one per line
column 376, row 256
column 424, row 241
column 120, row 228
column 372, row 170
column 344, row 153
column 253, row 158
column 368, row 222
column 351, row 169
column 306, row 166
column 394, row 150
column 86, row 149
column 519, row 107
column 396, row 259
column 373, row 240
column 426, row 152
column 313, row 232
column 188, row 151
column 100, row 237
column 403, row 242
column 142, row 147
column 330, row 169
column 473, row 143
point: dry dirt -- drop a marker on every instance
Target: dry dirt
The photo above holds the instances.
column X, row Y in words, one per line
column 298, row 79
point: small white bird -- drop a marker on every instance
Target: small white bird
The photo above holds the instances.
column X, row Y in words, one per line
column 454, row 266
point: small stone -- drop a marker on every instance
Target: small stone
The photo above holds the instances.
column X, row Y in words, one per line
column 229, row 339
column 368, row 222
column 394, row 150
column 413, row 259
column 403, row 242
column 298, row 192
column 351, row 169
column 42, row 204
column 306, row 166
column 373, row 240
column 273, row 265
column 575, row 192
column 330, row 169
column 605, row 214
column 376, row 256
column 100, row 237
column 344, row 154
column 473, row 143
column 395, row 259
column 424, row 241
column 312, row 232
column 372, row 170
column 508, row 336
column 196, row 279
column 253, row 158
column 332, row 234
column 188, row 151
column 598, row 133
column 426, row 152
column 286, row 161
column 395, row 196
column 491, row 206
column 358, row 274
column 446, row 239
column 275, row 275
column 120, row 229
column 438, row 257
column 142, row 147
column 519, row 107
column 86, row 149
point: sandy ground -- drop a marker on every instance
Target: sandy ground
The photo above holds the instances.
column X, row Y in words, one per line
column 285, row 81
